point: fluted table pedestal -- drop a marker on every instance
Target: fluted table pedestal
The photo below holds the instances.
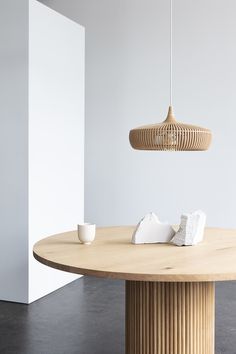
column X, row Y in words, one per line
column 170, row 318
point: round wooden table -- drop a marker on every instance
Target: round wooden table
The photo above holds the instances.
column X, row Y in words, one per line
column 170, row 291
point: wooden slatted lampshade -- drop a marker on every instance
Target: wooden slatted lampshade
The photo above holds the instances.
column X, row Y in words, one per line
column 170, row 135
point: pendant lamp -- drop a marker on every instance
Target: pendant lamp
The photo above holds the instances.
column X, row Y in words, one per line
column 170, row 135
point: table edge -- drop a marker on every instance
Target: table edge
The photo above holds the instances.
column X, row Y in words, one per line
column 165, row 278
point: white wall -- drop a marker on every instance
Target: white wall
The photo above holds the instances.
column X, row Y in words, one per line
column 127, row 78
column 41, row 141
column 13, row 150
column 56, row 136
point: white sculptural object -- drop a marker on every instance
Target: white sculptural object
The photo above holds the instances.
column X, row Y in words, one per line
column 191, row 230
column 151, row 230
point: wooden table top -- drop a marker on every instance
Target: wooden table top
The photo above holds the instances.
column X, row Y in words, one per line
column 112, row 255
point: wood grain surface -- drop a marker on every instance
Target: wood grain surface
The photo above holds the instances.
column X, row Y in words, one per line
column 112, row 255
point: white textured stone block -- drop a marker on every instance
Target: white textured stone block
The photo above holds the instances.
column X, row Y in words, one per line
column 191, row 230
column 151, row 230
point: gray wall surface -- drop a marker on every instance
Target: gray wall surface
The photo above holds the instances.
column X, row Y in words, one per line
column 14, row 150
column 127, row 78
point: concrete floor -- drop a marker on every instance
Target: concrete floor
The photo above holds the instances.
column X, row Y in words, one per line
column 87, row 317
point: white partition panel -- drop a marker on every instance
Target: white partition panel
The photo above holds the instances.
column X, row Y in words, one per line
column 41, row 141
column 56, row 135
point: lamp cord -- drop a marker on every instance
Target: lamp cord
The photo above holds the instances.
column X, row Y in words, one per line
column 171, row 49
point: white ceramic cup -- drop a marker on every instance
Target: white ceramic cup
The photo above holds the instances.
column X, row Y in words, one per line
column 86, row 233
